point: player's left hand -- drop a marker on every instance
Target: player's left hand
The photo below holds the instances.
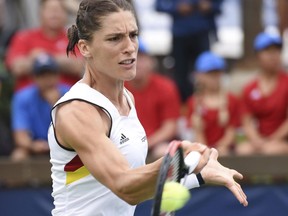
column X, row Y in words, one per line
column 215, row 173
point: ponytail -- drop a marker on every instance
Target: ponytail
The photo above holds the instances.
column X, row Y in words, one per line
column 73, row 38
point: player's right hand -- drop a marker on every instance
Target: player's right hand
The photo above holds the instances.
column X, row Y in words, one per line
column 217, row 174
column 202, row 149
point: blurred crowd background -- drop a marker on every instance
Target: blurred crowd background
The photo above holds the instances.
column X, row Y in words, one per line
column 211, row 71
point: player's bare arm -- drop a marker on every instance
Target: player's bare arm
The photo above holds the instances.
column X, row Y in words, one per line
column 100, row 155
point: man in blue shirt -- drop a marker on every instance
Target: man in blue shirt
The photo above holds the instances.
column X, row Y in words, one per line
column 31, row 109
column 193, row 26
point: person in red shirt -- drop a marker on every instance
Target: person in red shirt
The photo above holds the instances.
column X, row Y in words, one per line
column 265, row 101
column 157, row 102
column 49, row 38
column 212, row 112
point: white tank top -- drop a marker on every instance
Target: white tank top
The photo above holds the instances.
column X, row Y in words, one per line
column 76, row 192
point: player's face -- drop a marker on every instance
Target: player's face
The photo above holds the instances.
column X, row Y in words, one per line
column 53, row 15
column 114, row 47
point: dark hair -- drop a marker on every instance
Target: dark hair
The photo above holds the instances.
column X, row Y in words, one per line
column 89, row 18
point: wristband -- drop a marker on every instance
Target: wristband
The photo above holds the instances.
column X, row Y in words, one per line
column 200, row 179
column 190, row 181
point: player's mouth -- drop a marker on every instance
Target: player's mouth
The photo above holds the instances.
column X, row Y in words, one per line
column 127, row 62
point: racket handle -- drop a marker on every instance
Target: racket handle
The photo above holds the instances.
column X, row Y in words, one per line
column 192, row 160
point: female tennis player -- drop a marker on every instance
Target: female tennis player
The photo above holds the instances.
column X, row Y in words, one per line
column 97, row 144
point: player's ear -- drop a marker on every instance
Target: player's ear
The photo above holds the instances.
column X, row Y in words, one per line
column 84, row 48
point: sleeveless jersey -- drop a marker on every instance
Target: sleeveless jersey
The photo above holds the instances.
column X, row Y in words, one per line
column 75, row 191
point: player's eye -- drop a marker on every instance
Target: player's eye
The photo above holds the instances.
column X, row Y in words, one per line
column 114, row 38
column 134, row 35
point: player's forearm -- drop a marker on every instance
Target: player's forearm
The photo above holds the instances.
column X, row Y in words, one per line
column 137, row 185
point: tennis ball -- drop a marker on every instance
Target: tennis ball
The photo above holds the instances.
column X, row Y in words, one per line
column 174, row 196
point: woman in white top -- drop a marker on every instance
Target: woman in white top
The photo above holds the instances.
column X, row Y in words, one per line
column 97, row 144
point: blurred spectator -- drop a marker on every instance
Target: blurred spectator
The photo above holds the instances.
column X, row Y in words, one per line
column 72, row 8
column 6, row 143
column 155, row 96
column 265, row 101
column 18, row 14
column 31, row 108
column 212, row 112
column 193, row 27
column 50, row 38
column 282, row 9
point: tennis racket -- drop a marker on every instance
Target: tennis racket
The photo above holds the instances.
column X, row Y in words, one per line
column 173, row 168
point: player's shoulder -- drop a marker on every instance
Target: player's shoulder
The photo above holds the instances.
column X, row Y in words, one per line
column 77, row 109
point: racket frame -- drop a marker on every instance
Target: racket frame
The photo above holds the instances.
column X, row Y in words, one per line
column 173, row 149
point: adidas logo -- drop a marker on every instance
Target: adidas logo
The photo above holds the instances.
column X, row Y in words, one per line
column 123, row 139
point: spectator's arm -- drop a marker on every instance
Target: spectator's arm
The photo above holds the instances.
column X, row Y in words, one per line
column 19, row 58
column 216, row 6
column 199, row 135
column 174, row 7
column 23, row 140
column 169, row 111
column 72, row 65
column 282, row 132
column 247, row 120
column 226, row 141
column 23, row 145
column 22, row 65
column 167, row 6
column 165, row 133
column 20, row 127
column 197, row 128
column 195, row 121
column 210, row 6
column 223, row 145
column 251, row 131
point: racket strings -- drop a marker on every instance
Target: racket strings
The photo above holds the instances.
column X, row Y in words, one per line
column 176, row 167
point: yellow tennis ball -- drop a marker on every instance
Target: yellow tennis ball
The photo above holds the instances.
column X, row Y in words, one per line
column 174, row 196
